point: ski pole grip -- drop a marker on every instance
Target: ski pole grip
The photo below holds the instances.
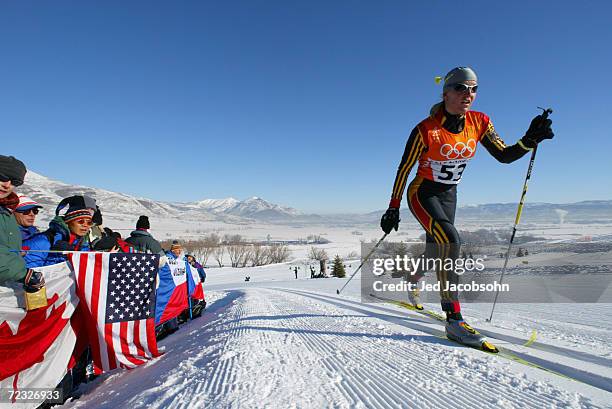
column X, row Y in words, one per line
column 545, row 112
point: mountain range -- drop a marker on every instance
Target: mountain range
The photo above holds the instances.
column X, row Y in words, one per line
column 49, row 192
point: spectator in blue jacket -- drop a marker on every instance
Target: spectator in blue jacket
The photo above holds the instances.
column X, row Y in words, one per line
column 66, row 232
column 25, row 214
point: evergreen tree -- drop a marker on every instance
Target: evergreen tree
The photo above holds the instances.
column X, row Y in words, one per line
column 338, row 270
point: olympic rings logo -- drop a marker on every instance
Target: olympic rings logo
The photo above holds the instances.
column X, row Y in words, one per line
column 460, row 150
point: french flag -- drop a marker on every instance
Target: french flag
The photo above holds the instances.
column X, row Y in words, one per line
column 171, row 291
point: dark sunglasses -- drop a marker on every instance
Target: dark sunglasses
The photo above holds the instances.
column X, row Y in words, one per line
column 33, row 211
column 14, row 182
column 463, row 88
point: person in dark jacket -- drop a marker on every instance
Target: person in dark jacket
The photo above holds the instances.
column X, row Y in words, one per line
column 65, row 233
column 12, row 265
column 25, row 214
column 141, row 240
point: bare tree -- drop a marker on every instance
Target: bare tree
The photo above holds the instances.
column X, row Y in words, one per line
column 237, row 250
column 279, row 253
column 318, row 254
column 218, row 253
column 260, row 255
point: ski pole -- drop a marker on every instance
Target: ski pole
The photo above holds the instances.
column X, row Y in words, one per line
column 519, row 211
column 363, row 262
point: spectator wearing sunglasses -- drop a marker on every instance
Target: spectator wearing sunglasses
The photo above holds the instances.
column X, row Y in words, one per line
column 67, row 232
column 12, row 266
column 443, row 144
column 25, row 214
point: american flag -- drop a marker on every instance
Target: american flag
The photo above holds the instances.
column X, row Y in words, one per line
column 117, row 291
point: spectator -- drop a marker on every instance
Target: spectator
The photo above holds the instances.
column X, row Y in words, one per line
column 25, row 214
column 194, row 263
column 176, row 250
column 65, row 233
column 12, row 266
column 197, row 306
column 141, row 239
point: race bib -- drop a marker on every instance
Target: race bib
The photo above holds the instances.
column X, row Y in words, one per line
column 448, row 171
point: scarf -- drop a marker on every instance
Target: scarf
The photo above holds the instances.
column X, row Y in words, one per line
column 10, row 202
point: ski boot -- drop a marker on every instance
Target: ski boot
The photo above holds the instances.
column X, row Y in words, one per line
column 461, row 332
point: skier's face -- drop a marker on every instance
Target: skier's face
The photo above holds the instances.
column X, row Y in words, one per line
column 458, row 100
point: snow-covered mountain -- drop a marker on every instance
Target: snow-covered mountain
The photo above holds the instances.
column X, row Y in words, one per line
column 253, row 207
column 49, row 192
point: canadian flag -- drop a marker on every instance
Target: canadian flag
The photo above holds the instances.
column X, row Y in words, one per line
column 36, row 346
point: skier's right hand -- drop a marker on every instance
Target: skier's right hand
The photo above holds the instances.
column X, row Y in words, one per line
column 390, row 220
column 539, row 129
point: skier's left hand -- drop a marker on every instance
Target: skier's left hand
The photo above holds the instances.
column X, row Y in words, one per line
column 539, row 129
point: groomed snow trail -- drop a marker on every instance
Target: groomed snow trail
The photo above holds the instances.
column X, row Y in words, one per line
column 266, row 348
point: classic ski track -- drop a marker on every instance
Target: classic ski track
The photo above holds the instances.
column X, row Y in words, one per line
column 553, row 349
column 361, row 380
column 281, row 348
column 595, row 380
column 383, row 369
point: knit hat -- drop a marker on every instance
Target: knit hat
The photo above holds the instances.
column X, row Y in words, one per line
column 459, row 75
column 12, row 169
column 78, row 207
column 25, row 203
column 143, row 223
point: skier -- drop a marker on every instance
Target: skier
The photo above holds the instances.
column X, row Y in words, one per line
column 443, row 144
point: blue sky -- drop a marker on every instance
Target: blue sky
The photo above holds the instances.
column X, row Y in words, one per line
column 306, row 104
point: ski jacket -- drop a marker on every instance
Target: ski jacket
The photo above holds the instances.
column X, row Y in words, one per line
column 27, row 232
column 143, row 242
column 57, row 237
column 443, row 144
column 12, row 265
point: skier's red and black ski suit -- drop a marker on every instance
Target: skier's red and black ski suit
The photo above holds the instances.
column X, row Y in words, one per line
column 443, row 144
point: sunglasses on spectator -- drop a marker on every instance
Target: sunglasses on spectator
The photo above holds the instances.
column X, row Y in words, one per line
column 33, row 211
column 14, row 182
column 85, row 222
column 463, row 88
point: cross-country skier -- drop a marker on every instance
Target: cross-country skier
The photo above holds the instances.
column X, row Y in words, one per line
column 443, row 144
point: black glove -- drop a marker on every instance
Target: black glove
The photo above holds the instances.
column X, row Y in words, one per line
column 33, row 281
column 390, row 220
column 106, row 243
column 539, row 129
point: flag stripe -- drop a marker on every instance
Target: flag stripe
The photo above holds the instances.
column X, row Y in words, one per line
column 100, row 309
column 137, row 345
column 151, row 342
column 94, row 306
column 124, row 336
column 108, row 337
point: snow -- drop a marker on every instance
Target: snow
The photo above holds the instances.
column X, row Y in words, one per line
column 280, row 342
